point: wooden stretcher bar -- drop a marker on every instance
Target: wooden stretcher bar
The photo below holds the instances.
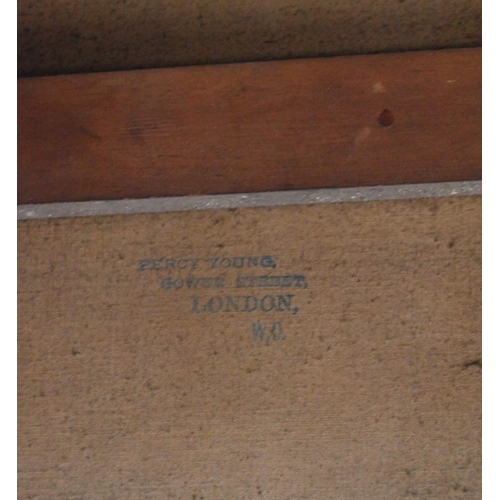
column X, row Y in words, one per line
column 365, row 120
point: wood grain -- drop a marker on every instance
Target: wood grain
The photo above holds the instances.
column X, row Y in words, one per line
column 251, row 127
column 372, row 393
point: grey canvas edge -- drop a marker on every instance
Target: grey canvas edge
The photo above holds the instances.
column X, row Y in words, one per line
column 266, row 199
